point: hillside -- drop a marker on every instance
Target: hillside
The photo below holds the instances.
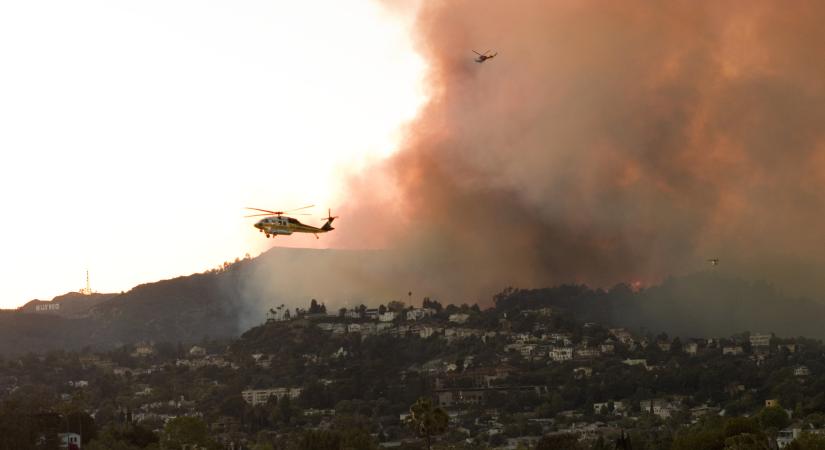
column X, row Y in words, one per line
column 224, row 303
column 72, row 304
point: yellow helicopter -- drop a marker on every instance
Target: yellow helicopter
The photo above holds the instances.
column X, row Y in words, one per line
column 276, row 223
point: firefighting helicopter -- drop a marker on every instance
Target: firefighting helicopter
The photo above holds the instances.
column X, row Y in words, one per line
column 484, row 56
column 714, row 261
column 277, row 223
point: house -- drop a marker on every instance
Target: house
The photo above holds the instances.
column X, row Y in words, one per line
column 691, row 348
column 658, row 407
column 663, row 345
column 70, row 441
column 601, row 408
column 260, row 396
column 561, row 354
column 197, row 351
column 459, row 318
column 801, row 371
column 732, row 350
column 143, row 349
column 635, row 362
column 760, row 339
column 353, row 314
column 419, row 313
column 354, row 328
column 526, row 350
column 622, row 335
column 388, row 316
column 560, row 338
column 772, row 403
column 607, row 348
column 371, row 313
column 786, row 436
column 588, row 352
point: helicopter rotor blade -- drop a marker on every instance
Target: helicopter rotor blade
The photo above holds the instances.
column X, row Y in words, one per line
column 258, row 215
column 303, row 207
column 266, row 210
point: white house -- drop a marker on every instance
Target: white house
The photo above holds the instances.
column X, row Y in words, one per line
column 760, row 339
column 658, row 407
column 419, row 313
column 459, row 318
column 635, row 362
column 561, row 353
column 388, row 316
column 260, row 396
column 732, row 350
column 801, row 371
column 786, row 436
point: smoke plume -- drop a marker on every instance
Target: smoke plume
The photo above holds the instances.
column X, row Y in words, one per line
column 607, row 142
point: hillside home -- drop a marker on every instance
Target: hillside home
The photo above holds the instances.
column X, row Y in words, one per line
column 419, row 313
column 260, row 396
column 760, row 339
column 732, row 350
column 560, row 354
column 388, row 316
column 459, row 318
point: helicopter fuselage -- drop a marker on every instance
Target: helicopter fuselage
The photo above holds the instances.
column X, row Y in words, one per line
column 283, row 225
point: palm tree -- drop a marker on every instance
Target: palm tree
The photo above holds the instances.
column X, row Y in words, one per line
column 427, row 420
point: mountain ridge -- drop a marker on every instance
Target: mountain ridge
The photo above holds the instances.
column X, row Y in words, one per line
column 224, row 302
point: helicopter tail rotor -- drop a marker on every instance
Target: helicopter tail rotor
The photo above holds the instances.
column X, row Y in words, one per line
column 328, row 226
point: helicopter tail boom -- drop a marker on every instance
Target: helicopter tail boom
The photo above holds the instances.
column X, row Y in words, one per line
column 328, row 225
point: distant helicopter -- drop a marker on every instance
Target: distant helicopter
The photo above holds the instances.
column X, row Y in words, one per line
column 714, row 261
column 276, row 223
column 484, row 56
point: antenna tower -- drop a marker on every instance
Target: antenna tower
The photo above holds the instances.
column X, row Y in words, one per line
column 88, row 289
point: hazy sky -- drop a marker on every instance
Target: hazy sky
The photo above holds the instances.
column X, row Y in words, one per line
column 133, row 133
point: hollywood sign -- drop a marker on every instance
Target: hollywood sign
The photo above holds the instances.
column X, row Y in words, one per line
column 47, row 307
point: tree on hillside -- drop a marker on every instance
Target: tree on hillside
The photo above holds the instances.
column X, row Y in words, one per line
column 808, row 441
column 564, row 441
column 314, row 307
column 396, row 306
column 427, row 420
column 433, row 304
column 773, row 417
column 747, row 441
column 184, row 432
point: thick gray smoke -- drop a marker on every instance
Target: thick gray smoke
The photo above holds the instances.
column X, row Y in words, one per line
column 608, row 142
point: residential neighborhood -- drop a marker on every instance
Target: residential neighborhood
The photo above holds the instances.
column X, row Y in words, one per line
column 507, row 377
